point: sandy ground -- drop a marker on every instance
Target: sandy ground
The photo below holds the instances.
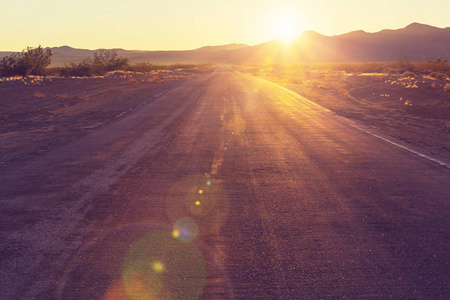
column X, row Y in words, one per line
column 36, row 112
column 414, row 111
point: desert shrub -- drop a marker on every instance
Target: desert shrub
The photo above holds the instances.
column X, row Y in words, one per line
column 356, row 67
column 391, row 72
column 37, row 59
column 142, row 67
column 8, row 65
column 148, row 67
column 53, row 71
column 62, row 96
column 295, row 80
column 344, row 93
column 437, row 65
column 404, row 63
column 64, row 71
column 81, row 69
column 438, row 75
column 371, row 68
column 103, row 61
column 108, row 60
column 183, row 66
column 447, row 87
column 408, row 74
column 32, row 61
column 39, row 95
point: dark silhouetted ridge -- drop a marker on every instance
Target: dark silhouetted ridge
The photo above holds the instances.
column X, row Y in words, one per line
column 416, row 41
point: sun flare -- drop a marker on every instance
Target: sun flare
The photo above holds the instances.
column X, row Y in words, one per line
column 285, row 23
column 287, row 29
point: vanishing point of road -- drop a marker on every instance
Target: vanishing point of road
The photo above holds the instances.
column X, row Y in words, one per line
column 225, row 187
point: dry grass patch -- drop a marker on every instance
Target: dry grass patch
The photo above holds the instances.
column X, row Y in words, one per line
column 39, row 95
column 85, row 98
column 447, row 87
column 62, row 96
column 344, row 93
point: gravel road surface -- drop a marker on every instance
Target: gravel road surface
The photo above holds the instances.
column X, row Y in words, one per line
column 225, row 187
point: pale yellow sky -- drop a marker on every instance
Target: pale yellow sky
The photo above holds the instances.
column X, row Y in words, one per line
column 182, row 24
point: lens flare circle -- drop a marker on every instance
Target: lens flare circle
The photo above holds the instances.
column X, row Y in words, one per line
column 159, row 266
column 209, row 209
column 187, row 229
column 108, row 244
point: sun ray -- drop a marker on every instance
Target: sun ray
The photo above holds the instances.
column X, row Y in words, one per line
column 285, row 25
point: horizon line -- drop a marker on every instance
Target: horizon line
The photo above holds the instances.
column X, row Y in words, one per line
column 227, row 44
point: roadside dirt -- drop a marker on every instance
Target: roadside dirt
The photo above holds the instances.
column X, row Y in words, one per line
column 36, row 113
column 414, row 110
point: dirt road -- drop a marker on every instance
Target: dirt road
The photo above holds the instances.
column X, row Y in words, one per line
column 225, row 187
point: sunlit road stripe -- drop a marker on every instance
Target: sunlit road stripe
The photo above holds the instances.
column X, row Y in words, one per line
column 144, row 102
column 324, row 110
column 399, row 146
column 121, row 114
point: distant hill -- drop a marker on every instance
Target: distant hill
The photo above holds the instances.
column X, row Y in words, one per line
column 415, row 41
column 65, row 54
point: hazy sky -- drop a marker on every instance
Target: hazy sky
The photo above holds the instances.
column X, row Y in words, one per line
column 189, row 24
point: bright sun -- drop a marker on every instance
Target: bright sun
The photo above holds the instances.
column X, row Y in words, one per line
column 286, row 29
column 285, row 24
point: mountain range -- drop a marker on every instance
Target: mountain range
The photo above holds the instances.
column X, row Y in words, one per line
column 415, row 42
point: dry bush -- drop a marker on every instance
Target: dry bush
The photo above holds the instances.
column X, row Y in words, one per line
column 437, row 66
column 438, row 75
column 416, row 67
column 62, row 96
column 344, row 93
column 132, row 81
column 102, row 62
column 142, row 67
column 447, row 87
column 148, row 67
column 108, row 60
column 39, row 95
column 81, row 69
column 30, row 61
column 295, row 80
column 404, row 63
